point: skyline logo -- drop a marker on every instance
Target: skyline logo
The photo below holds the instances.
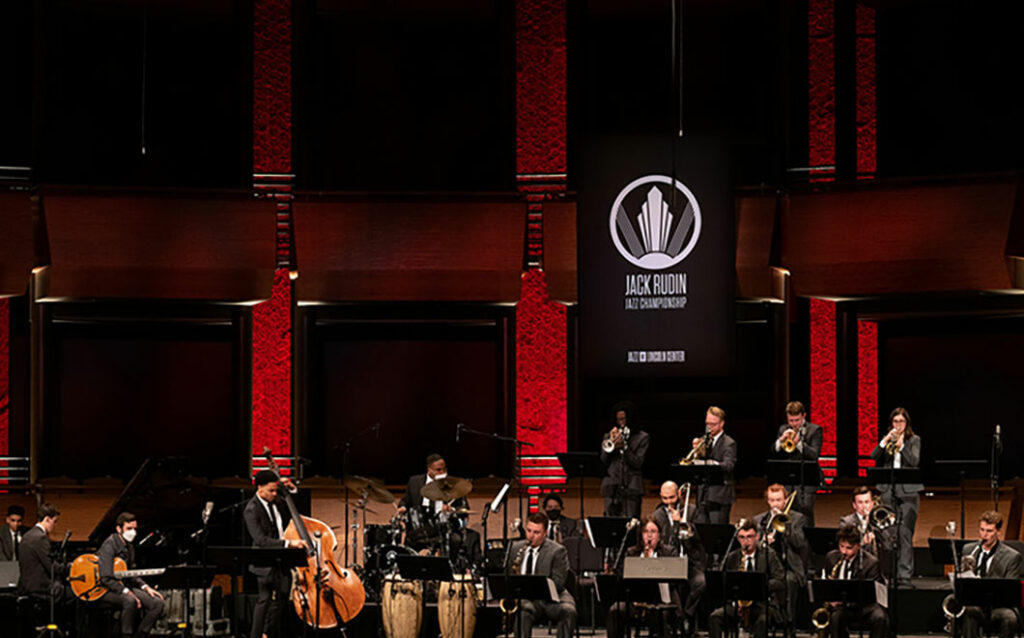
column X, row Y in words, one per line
column 646, row 230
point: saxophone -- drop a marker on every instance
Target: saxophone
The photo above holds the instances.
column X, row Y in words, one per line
column 511, row 606
column 822, row 616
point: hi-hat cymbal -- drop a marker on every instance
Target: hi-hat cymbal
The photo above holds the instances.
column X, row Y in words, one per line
column 374, row 489
column 463, row 511
column 446, row 489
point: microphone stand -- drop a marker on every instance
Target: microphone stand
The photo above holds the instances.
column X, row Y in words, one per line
column 997, row 448
column 345, row 472
column 519, row 452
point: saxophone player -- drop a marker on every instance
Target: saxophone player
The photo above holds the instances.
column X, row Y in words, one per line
column 543, row 557
column 784, row 531
column 994, row 560
column 674, row 517
column 849, row 562
column 752, row 556
column 799, row 439
column 623, row 452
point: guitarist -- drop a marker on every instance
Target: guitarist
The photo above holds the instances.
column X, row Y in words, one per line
column 130, row 594
column 266, row 523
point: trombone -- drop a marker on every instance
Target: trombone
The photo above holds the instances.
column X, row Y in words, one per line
column 778, row 522
column 698, row 452
column 684, row 530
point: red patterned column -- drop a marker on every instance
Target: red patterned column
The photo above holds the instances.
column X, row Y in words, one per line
column 867, row 122
column 867, row 393
column 823, row 378
column 272, row 149
column 5, row 382
column 821, row 76
column 541, row 332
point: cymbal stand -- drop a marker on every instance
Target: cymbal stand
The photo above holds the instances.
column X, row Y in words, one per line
column 345, row 471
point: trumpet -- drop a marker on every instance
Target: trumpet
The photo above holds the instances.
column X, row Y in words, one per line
column 610, row 443
column 696, row 453
column 892, row 442
column 789, row 443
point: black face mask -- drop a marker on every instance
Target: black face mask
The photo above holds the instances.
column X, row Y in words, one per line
column 554, row 515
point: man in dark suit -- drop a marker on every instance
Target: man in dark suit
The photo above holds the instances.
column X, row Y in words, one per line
column 266, row 522
column 559, row 526
column 10, row 536
column 789, row 543
column 34, row 559
column 623, row 485
column 850, row 563
column 424, row 516
column 805, row 439
column 669, row 518
column 994, row 560
column 716, row 501
column 877, row 542
column 541, row 556
column 752, row 556
column 128, row 594
column 659, row 619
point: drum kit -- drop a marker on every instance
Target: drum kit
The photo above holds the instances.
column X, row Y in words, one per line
column 402, row 600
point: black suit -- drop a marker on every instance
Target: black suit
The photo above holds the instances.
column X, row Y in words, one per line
column 903, row 498
column 808, row 450
column 623, row 486
column 865, row 567
column 716, row 501
column 693, row 548
column 566, row 527
column 659, row 620
column 7, row 551
column 274, row 584
column 34, row 563
column 1002, row 562
column 766, row 561
column 423, row 527
column 793, row 551
column 117, row 595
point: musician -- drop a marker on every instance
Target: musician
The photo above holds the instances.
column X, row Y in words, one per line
column 789, row 543
column 806, row 437
column 423, row 513
column 541, row 556
column 465, row 549
column 850, row 563
column 266, row 522
column 649, row 545
column 716, row 501
column 994, row 559
column 559, row 526
column 10, row 536
column 901, row 448
column 754, row 556
column 669, row 518
column 130, row 594
column 878, row 544
column 623, row 486
column 35, row 565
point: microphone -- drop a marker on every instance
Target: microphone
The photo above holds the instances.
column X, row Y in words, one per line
column 207, row 510
column 64, row 542
column 458, row 430
column 996, row 438
column 146, row 539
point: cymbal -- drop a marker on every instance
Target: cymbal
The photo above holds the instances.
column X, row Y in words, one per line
column 375, row 490
column 464, row 510
column 447, row 489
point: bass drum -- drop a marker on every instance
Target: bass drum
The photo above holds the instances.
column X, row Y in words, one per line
column 456, row 607
column 401, row 607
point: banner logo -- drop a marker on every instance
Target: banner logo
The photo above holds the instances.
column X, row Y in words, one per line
column 644, row 229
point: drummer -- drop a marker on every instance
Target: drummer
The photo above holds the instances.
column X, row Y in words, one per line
column 423, row 514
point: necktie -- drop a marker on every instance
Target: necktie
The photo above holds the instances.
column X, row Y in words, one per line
column 17, row 541
column 983, row 563
column 533, row 562
column 750, row 563
column 551, row 530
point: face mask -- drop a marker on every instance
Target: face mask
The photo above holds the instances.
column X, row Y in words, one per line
column 554, row 515
column 439, row 477
column 129, row 535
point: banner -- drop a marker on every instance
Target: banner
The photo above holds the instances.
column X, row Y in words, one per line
column 656, row 259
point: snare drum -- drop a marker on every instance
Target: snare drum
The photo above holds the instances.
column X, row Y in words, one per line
column 401, row 607
column 456, row 607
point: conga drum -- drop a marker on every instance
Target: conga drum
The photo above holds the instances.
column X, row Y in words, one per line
column 456, row 607
column 401, row 607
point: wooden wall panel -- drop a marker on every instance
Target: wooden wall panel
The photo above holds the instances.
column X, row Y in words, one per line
column 560, row 251
column 16, row 247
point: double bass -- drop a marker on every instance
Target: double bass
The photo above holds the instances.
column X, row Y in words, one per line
column 324, row 594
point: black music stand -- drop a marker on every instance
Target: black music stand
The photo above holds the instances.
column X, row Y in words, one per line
column 187, row 578
column 424, row 568
column 583, row 557
column 732, row 586
column 989, row 593
column 716, row 537
column 612, row 589
column 821, row 540
column 520, row 588
column 941, row 551
column 847, row 592
column 237, row 559
column 956, row 472
column 611, row 533
column 801, row 473
column 581, row 464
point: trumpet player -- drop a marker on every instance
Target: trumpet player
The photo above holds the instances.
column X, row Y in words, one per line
column 994, row 559
column 674, row 517
column 901, row 448
column 623, row 451
column 752, row 556
column 715, row 502
column 848, row 562
column 783, row 530
column 799, row 439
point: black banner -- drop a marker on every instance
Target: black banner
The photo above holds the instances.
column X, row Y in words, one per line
column 656, row 263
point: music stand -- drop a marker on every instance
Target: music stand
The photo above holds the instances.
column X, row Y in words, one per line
column 821, row 540
column 520, row 588
column 188, row 577
column 236, row 559
column 424, row 568
column 846, row 592
column 941, row 552
column 801, row 473
column 733, row 586
column 956, row 472
column 989, row 593
column 605, row 531
column 647, row 581
column 583, row 557
column 716, row 537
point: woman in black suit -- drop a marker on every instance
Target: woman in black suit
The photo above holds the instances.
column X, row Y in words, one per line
column 901, row 448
